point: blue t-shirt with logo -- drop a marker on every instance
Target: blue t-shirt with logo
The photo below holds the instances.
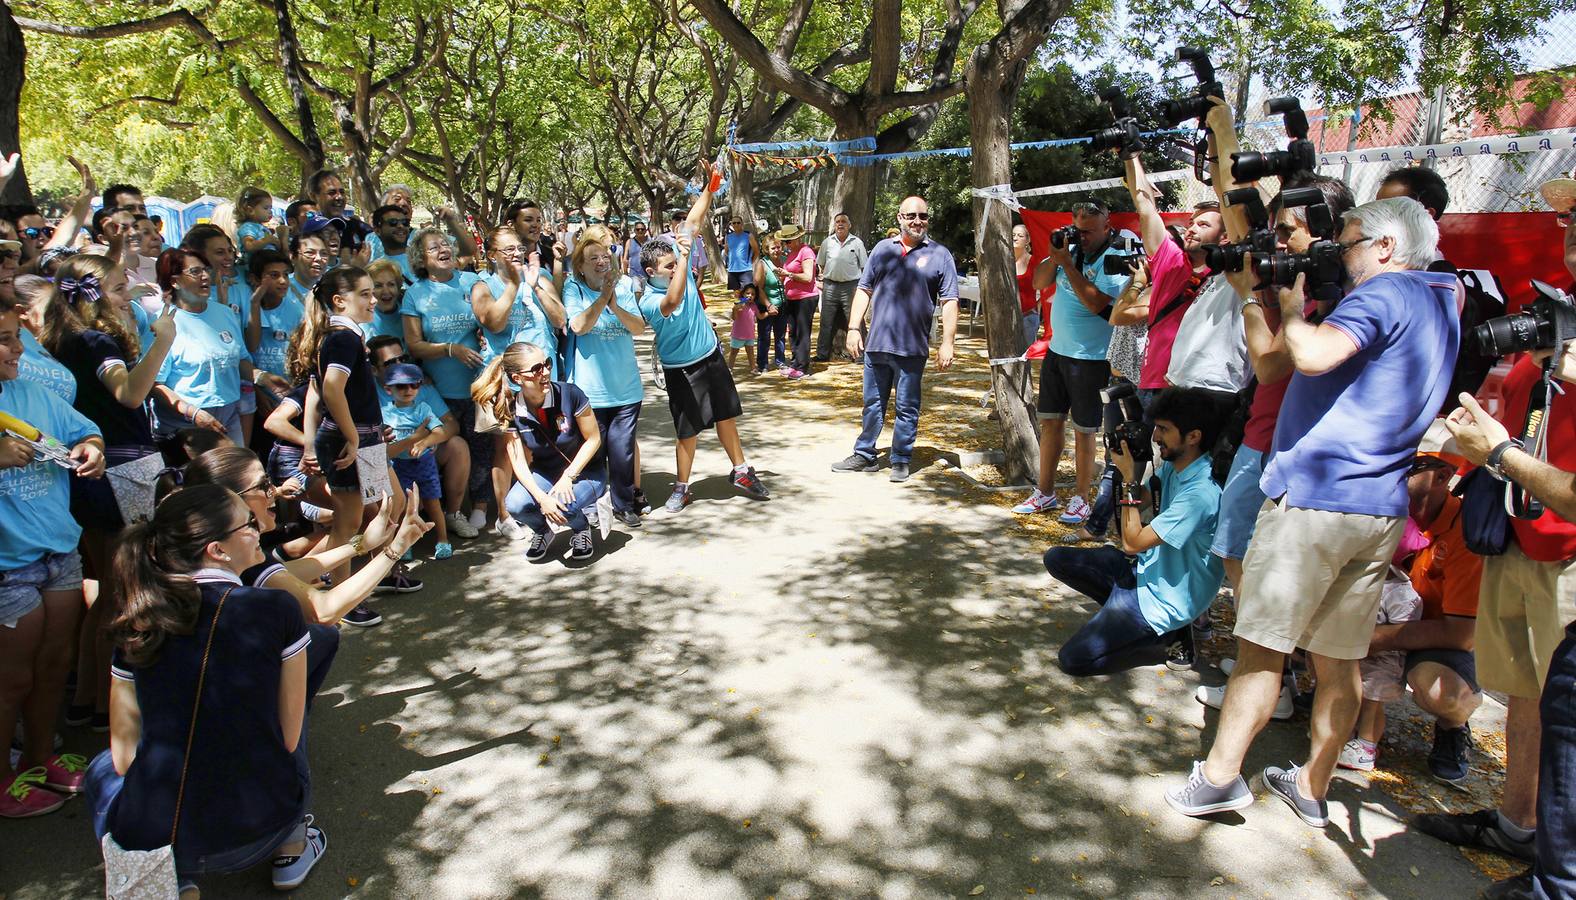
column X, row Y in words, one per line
column 1344, row 440
column 204, row 363
column 407, row 420
column 684, row 337
column 604, row 363
column 35, row 500
column 235, row 293
column 1075, row 331
column 1179, row 578
column 278, row 325
column 40, row 366
column 444, row 310
column 527, row 322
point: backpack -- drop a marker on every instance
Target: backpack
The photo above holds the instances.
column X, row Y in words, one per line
column 1472, row 366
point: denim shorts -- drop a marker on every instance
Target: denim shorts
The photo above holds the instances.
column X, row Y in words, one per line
column 1240, row 502
column 22, row 590
column 422, row 472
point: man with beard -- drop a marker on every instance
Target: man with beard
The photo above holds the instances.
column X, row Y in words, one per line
column 393, row 231
column 1146, row 608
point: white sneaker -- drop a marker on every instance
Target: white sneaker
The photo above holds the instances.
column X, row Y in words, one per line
column 1355, row 756
column 507, row 527
column 1214, row 696
column 459, row 526
column 290, row 871
column 1077, row 510
column 478, row 519
column 1037, row 503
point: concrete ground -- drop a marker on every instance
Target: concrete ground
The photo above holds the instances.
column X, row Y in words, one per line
column 848, row 691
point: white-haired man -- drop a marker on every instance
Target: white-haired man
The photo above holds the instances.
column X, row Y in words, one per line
column 1368, row 381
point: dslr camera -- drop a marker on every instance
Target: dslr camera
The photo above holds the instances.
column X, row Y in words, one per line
column 1326, row 273
column 1125, row 255
column 1123, row 424
column 1175, row 112
column 1298, row 156
column 1124, row 136
column 1065, row 237
column 1260, row 240
column 355, row 233
column 1546, row 323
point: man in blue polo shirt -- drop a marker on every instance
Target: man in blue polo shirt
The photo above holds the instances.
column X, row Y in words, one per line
column 1146, row 610
column 906, row 278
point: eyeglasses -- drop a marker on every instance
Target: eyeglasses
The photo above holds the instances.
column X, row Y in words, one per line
column 251, row 522
column 264, row 485
column 195, row 271
column 45, row 233
column 1345, row 246
column 406, row 387
column 915, row 216
column 314, row 254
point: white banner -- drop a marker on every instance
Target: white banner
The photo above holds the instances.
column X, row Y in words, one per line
column 994, row 192
column 1488, row 146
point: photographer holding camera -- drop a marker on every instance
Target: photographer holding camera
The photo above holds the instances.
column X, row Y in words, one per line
column 1146, row 609
column 1368, row 380
column 1525, row 639
column 1075, row 367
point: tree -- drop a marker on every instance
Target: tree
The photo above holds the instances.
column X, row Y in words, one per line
column 13, row 69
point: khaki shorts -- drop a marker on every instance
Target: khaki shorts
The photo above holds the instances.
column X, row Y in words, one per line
column 1523, row 607
column 1313, row 579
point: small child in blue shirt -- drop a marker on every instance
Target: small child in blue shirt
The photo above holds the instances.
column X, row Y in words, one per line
column 417, row 430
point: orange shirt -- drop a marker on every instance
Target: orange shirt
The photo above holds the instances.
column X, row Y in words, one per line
column 1445, row 573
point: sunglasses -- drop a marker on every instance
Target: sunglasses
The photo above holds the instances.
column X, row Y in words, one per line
column 406, row 387
column 537, row 370
column 251, row 522
column 402, row 358
column 397, row 223
column 263, row 485
column 45, row 232
column 1088, row 207
column 915, row 217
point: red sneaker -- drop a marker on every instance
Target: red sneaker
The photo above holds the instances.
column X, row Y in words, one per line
column 65, row 772
column 25, row 797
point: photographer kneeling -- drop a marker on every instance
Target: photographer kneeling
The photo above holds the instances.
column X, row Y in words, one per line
column 1146, row 610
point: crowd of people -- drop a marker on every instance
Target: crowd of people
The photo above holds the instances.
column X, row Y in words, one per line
column 1309, row 444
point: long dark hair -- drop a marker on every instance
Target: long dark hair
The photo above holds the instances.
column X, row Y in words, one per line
column 301, row 358
column 224, row 466
column 154, row 565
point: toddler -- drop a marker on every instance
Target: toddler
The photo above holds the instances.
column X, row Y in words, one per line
column 745, row 309
column 417, row 430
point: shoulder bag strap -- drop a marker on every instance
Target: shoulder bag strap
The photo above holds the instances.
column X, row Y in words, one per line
column 202, row 673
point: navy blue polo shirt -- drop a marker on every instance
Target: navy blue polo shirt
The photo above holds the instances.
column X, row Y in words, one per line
column 905, row 286
column 551, row 433
column 344, row 348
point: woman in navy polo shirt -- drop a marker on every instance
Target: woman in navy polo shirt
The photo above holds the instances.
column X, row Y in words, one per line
column 205, row 662
column 554, row 447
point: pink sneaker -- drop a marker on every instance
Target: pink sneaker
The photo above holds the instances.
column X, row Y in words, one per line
column 65, row 773
column 26, row 797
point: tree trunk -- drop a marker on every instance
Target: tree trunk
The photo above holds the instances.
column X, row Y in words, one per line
column 990, row 109
column 13, row 58
column 855, row 195
column 290, row 57
column 741, row 192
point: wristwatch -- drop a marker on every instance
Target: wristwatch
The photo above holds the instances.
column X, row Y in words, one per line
column 1497, row 456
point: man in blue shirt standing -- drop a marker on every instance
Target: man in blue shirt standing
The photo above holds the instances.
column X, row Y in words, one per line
column 906, row 278
column 742, row 251
column 1367, row 383
column 1146, row 611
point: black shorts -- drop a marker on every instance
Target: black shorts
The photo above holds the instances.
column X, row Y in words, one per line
column 1461, row 662
column 702, row 394
column 1068, row 384
column 738, row 280
column 330, row 443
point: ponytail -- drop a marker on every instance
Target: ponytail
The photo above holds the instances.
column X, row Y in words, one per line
column 301, row 358
column 489, row 390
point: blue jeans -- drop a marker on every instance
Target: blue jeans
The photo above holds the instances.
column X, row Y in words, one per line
column 769, row 333
column 1554, row 874
column 882, row 371
column 522, row 505
column 1116, row 638
column 101, row 787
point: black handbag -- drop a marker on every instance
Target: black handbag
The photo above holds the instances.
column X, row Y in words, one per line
column 1485, row 518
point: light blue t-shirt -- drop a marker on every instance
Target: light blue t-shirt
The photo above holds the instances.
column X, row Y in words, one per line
column 236, row 294
column 406, row 420
column 38, row 366
column 434, row 400
column 279, row 324
column 740, row 257
column 204, row 363
column 1179, row 578
column 144, row 328
column 384, row 323
column 1344, row 440
column 684, row 337
column 604, row 363
column 527, row 322
column 256, row 232
column 35, row 500
column 1075, row 331
column 444, row 308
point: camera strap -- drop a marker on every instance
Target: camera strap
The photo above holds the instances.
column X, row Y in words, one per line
column 1535, row 442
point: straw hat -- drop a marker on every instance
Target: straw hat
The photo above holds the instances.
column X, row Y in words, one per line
column 790, row 233
column 1559, row 193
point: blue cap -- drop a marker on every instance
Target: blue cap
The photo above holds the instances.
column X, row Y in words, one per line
column 314, row 223
column 402, row 373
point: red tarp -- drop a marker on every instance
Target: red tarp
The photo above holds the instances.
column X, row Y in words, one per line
column 1515, row 246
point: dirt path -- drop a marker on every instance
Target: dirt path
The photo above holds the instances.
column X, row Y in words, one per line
column 848, row 691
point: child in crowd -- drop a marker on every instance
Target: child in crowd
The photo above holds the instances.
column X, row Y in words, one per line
column 1383, row 671
column 274, row 315
column 417, row 430
column 254, row 213
column 745, row 310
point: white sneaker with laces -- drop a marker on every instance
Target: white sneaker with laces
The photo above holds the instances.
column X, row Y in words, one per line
column 507, row 527
column 1355, row 756
column 459, row 526
column 1077, row 510
column 1037, row 503
column 1214, row 696
column 290, row 871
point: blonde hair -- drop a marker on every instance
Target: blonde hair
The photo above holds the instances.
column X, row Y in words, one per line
column 488, row 389
column 594, row 234
column 224, row 217
column 385, row 266
column 416, row 249
column 301, row 357
column 65, row 316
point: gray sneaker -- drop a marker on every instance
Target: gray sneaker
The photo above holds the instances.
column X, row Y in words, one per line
column 899, row 472
column 1283, row 784
column 677, row 501
column 1201, row 798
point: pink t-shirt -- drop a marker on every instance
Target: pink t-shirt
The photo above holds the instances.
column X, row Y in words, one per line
column 744, row 322
column 802, row 261
column 1169, row 270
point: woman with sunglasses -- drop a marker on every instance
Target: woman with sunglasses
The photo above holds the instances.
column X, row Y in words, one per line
column 554, row 447
column 208, row 360
column 209, row 700
column 40, row 580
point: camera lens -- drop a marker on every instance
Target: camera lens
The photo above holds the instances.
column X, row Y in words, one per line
column 1506, row 335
